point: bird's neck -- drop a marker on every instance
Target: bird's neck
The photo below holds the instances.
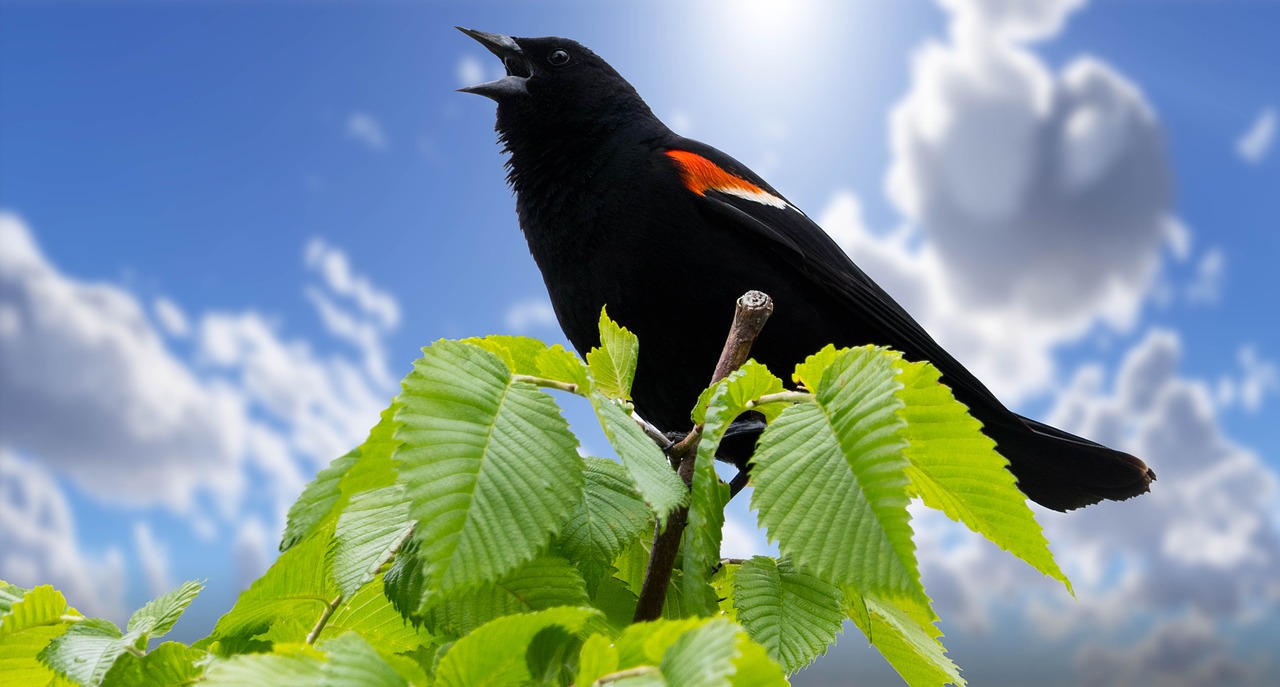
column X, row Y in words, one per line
column 561, row 177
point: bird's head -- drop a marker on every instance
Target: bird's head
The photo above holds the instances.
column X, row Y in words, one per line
column 555, row 84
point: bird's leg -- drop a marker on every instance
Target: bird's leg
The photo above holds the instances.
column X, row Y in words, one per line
column 739, row 481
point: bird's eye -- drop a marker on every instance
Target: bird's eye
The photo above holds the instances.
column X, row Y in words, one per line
column 558, row 58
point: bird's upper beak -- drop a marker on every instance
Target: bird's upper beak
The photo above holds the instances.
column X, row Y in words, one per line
column 518, row 68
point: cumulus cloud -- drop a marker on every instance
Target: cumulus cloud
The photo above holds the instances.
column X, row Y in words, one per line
column 94, row 393
column 92, row 389
column 1045, row 195
column 529, row 315
column 1203, row 544
column 1180, row 652
column 1254, row 144
column 364, row 128
column 41, row 545
column 171, row 317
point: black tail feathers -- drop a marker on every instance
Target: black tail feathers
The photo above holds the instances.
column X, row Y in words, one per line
column 1062, row 471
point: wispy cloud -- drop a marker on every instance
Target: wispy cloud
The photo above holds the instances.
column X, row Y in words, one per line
column 364, row 128
column 1254, row 144
column 530, row 315
column 152, row 558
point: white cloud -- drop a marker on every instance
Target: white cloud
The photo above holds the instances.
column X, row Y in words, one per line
column 530, row 315
column 93, row 392
column 1038, row 205
column 1203, row 542
column 252, row 552
column 171, row 317
column 1206, row 287
column 470, row 71
column 40, row 542
column 364, row 128
column 91, row 388
column 1254, row 144
column 334, row 267
column 153, row 558
column 741, row 539
column 1258, row 379
column 1015, row 20
column 1048, row 193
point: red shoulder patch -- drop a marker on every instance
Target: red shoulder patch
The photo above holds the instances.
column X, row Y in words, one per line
column 701, row 175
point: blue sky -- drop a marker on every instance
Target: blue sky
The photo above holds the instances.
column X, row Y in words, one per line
column 240, row 221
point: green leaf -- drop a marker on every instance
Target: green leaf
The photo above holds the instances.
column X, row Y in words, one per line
column 317, row 500
column 746, row 384
column 646, row 643
column 654, row 479
column 598, row 658
column 86, row 651
column 830, row 480
column 809, row 373
column 955, row 468
column 908, row 641
column 297, row 586
column 372, row 616
column 610, row 516
column 695, row 651
column 171, row 664
column 158, row 615
column 369, row 532
column 723, row 582
column 562, row 365
column 754, row 668
column 19, row 664
column 519, row 353
column 794, row 615
column 495, row 653
column 353, row 662
column 489, row 466
column 703, row 656
column 365, row 468
column 297, row 664
column 542, row 583
column 23, row 609
column 613, row 364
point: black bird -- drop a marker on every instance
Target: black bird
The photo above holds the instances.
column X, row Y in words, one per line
column 667, row 232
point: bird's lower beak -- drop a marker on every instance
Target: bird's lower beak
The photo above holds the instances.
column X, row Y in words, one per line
column 518, row 68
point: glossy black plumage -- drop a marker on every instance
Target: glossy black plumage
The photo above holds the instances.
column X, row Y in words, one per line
column 610, row 220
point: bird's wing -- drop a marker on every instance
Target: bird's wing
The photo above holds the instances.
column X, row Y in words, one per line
column 808, row 250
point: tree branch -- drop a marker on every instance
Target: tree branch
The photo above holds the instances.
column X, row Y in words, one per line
column 753, row 310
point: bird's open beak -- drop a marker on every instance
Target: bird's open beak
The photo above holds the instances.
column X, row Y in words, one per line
column 518, row 68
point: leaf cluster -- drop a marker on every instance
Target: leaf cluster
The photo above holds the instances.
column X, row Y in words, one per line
column 467, row 541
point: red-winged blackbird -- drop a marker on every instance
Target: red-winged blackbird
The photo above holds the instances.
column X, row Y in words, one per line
column 667, row 232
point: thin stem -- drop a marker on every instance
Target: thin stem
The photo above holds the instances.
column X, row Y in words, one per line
column 621, row 675
column 324, row 619
column 782, row 397
column 753, row 310
column 68, row 618
column 547, row 383
column 135, row 651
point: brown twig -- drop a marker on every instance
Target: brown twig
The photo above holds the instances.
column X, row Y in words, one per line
column 754, row 309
